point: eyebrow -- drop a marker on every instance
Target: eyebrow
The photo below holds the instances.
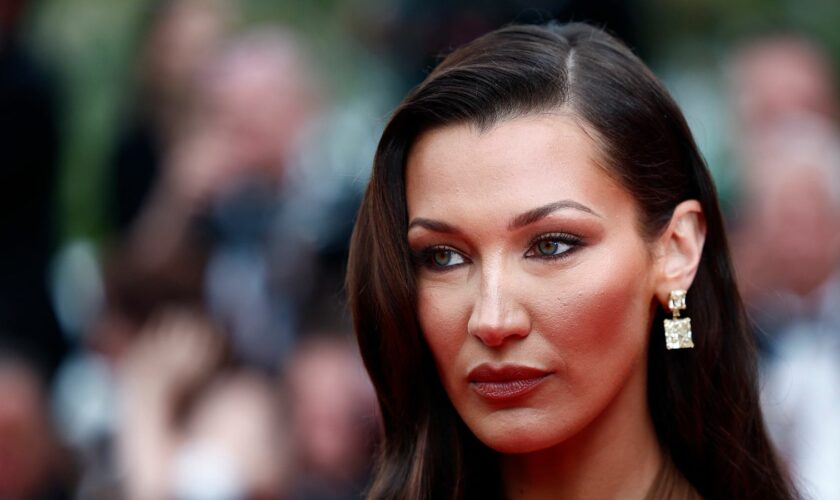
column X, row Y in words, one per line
column 433, row 225
column 544, row 211
column 517, row 222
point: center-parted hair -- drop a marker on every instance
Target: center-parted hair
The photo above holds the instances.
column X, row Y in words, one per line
column 704, row 401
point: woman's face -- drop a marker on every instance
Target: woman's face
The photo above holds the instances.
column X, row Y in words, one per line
column 535, row 289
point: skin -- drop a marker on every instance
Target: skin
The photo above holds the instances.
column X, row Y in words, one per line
column 496, row 286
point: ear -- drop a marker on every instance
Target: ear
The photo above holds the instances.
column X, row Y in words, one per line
column 679, row 250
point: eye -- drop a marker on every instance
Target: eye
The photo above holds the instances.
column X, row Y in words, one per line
column 440, row 258
column 446, row 257
column 555, row 245
column 548, row 248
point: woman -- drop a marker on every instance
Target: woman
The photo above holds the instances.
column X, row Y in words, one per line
column 533, row 205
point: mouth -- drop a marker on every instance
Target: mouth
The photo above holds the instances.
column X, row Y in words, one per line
column 505, row 382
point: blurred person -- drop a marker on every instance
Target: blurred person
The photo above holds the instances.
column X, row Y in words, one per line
column 220, row 227
column 334, row 418
column 785, row 107
column 176, row 40
column 788, row 242
column 33, row 466
column 192, row 429
column 789, row 267
column 228, row 226
column 780, row 75
column 784, row 237
column 29, row 144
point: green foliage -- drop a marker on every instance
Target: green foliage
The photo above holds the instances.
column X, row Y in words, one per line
column 90, row 44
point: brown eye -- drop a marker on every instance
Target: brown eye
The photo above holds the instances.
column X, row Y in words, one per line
column 442, row 257
column 548, row 247
column 551, row 248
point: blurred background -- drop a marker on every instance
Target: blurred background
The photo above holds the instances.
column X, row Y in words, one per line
column 179, row 180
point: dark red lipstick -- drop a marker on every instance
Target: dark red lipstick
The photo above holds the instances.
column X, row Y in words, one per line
column 505, row 382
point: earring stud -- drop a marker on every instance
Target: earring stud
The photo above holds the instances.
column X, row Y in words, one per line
column 677, row 330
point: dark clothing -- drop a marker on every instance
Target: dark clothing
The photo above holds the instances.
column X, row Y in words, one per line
column 29, row 149
column 133, row 172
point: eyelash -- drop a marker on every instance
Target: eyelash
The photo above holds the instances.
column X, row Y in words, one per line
column 573, row 241
column 425, row 257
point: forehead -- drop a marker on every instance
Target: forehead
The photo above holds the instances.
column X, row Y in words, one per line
column 516, row 165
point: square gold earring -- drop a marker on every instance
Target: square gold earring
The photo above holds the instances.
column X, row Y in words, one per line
column 677, row 330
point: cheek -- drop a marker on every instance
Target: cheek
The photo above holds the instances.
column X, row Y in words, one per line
column 443, row 313
column 600, row 320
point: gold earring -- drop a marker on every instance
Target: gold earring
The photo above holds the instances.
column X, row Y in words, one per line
column 677, row 330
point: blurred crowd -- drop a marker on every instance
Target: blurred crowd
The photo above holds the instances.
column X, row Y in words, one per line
column 202, row 349
column 787, row 245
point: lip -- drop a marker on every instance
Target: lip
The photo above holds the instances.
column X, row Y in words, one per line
column 505, row 382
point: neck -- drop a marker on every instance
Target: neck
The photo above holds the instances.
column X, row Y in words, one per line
column 616, row 456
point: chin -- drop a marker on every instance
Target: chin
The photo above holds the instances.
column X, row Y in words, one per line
column 524, row 435
column 510, row 445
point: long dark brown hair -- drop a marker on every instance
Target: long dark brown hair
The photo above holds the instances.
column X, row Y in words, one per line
column 704, row 401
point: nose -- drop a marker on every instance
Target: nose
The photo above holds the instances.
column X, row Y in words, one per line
column 498, row 314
